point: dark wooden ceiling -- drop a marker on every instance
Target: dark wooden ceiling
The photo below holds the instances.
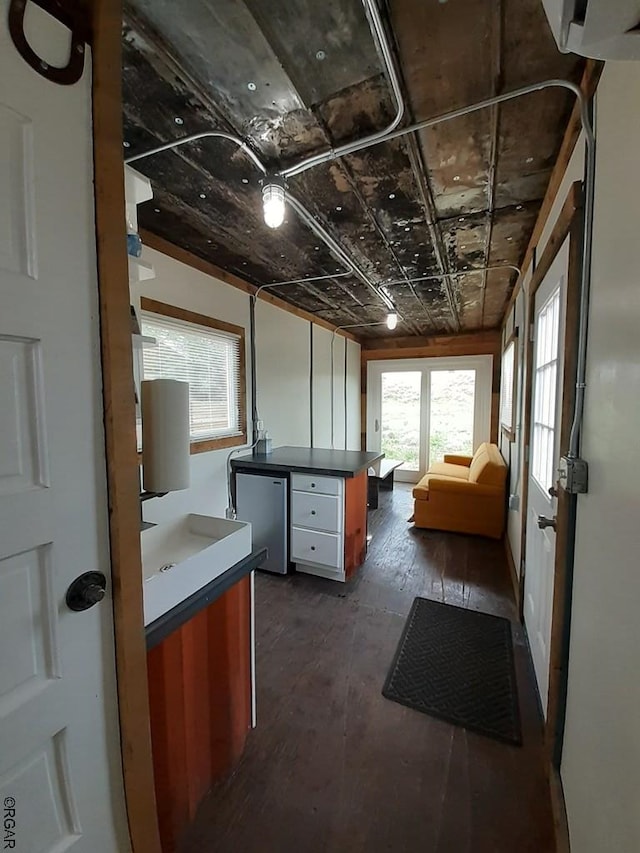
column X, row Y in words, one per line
column 298, row 77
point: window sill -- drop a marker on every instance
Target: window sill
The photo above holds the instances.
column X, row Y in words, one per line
column 209, row 444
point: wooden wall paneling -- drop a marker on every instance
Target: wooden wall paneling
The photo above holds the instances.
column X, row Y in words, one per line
column 200, row 692
column 119, row 423
column 560, row 232
column 168, row 725
column 355, row 522
column 229, row 664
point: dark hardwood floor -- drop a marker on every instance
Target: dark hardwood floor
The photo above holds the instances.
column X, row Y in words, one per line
column 333, row 767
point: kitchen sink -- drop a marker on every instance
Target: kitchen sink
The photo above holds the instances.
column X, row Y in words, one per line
column 184, row 555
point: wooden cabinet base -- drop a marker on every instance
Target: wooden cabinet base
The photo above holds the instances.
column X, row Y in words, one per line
column 355, row 523
column 200, row 705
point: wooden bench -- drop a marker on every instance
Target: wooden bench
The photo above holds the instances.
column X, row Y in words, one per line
column 380, row 476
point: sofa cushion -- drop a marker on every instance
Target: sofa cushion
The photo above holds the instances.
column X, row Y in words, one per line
column 488, row 466
column 421, row 489
column 448, row 469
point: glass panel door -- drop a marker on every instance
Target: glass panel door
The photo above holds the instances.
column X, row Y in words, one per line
column 400, row 418
column 545, row 393
column 452, row 400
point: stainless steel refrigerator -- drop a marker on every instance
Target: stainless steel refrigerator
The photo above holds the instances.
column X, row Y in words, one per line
column 262, row 500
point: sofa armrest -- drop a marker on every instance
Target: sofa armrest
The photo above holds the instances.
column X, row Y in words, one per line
column 463, row 487
column 458, row 459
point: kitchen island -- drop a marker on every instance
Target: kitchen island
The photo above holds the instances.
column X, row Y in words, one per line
column 322, row 528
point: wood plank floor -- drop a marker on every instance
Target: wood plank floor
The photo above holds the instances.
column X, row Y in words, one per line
column 333, row 767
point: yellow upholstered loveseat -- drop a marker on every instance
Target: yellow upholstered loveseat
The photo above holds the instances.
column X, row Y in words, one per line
column 465, row 494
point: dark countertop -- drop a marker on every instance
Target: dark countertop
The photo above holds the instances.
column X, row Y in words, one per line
column 173, row 619
column 308, row 460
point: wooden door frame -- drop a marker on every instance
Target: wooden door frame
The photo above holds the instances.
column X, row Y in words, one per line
column 119, row 422
column 569, row 225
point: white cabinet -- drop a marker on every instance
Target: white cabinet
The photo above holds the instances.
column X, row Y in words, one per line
column 319, row 512
column 317, row 525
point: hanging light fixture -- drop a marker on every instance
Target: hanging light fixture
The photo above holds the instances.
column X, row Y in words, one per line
column 392, row 321
column 273, row 197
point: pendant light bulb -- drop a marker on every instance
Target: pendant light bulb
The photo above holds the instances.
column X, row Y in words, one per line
column 392, row 321
column 273, row 196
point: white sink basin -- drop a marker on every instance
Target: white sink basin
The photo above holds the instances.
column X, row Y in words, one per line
column 183, row 555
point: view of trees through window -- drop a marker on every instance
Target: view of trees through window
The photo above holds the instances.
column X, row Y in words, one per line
column 451, row 409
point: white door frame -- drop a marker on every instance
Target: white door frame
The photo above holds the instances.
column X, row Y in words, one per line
column 482, row 364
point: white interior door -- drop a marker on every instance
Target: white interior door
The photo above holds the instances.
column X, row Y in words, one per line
column 420, row 409
column 60, row 781
column 544, row 451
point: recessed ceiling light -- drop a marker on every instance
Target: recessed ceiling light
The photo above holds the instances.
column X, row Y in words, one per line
column 417, row 255
column 463, row 247
column 245, row 180
column 407, row 228
column 244, row 263
column 338, row 208
column 203, row 195
column 320, row 55
column 178, row 120
column 282, row 256
column 156, row 210
column 209, row 241
column 509, row 239
column 377, row 263
column 519, row 207
column 456, row 177
column 461, row 219
column 529, row 160
column 362, row 237
column 317, row 248
column 392, row 196
column 251, row 86
column 126, row 144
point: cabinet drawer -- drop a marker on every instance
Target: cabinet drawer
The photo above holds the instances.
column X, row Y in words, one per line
column 321, row 512
column 322, row 485
column 314, row 547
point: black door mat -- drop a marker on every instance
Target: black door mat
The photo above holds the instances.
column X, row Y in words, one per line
column 457, row 665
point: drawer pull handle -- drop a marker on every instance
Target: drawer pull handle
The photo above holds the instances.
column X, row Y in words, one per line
column 313, row 547
column 313, row 485
column 313, row 512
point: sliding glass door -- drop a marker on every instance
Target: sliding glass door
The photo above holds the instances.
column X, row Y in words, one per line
column 420, row 409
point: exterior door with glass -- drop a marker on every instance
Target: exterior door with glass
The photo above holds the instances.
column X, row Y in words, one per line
column 548, row 331
column 420, row 409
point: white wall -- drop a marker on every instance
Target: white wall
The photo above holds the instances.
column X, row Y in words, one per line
column 283, row 343
column 601, row 761
column 282, row 374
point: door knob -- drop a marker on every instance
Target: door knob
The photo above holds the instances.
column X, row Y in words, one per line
column 544, row 522
column 86, row 590
column 553, row 491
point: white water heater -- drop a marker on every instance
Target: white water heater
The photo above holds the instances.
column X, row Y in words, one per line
column 599, row 29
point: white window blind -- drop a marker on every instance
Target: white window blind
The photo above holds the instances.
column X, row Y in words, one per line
column 210, row 361
column 507, row 386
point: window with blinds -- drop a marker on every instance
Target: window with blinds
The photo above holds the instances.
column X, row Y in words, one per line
column 508, row 389
column 210, row 359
